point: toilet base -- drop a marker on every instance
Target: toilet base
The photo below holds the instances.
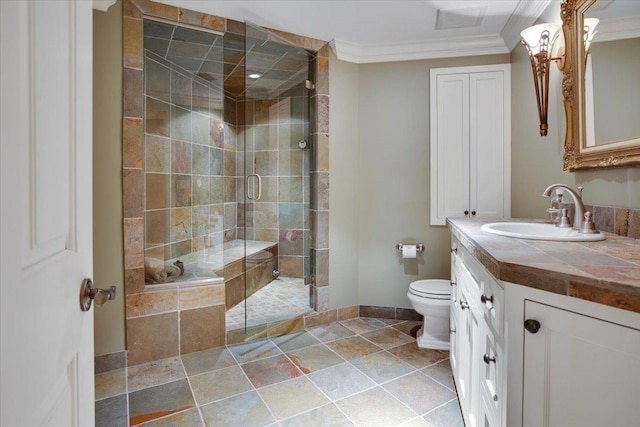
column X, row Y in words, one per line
column 428, row 342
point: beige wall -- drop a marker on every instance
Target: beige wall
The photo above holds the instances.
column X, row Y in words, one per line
column 108, row 270
column 536, row 162
column 380, row 180
column 343, row 170
column 616, row 88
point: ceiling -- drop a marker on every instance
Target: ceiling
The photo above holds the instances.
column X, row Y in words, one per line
column 364, row 31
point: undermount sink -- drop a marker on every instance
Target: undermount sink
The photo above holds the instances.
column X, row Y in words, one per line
column 540, row 231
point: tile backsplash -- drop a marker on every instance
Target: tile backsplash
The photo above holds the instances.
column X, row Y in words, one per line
column 621, row 221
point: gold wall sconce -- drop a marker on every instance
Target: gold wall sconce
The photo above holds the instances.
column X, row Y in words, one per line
column 539, row 41
column 542, row 42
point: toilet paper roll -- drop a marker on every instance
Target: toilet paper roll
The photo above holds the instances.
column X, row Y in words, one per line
column 409, row 251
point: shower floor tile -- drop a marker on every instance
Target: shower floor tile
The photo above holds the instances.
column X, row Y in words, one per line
column 283, row 298
column 327, row 375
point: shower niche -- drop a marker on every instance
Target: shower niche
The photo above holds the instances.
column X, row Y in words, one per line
column 224, row 185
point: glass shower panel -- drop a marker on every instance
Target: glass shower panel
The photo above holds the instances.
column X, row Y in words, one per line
column 183, row 149
column 277, row 161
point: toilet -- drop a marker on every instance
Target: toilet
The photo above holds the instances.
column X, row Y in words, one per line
column 431, row 298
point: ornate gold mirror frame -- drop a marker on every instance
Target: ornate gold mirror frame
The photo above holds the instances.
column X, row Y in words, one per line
column 576, row 156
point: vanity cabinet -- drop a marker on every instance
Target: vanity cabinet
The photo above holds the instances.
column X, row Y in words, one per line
column 477, row 356
column 470, row 142
column 579, row 370
column 525, row 357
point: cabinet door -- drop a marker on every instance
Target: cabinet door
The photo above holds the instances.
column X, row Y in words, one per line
column 470, row 333
column 579, row 371
column 453, row 340
column 450, row 147
column 491, row 361
column 487, row 147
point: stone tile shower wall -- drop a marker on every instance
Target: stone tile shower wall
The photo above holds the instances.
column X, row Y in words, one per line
column 185, row 147
column 273, row 128
column 163, row 323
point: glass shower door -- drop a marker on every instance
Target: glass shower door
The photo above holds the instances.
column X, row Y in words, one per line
column 277, row 159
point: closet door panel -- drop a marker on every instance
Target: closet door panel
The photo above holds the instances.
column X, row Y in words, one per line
column 452, row 148
column 486, row 144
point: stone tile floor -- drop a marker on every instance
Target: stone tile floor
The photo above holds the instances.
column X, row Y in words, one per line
column 281, row 299
column 358, row 372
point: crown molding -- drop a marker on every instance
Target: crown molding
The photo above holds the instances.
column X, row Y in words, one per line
column 103, row 5
column 627, row 27
column 462, row 46
column 525, row 15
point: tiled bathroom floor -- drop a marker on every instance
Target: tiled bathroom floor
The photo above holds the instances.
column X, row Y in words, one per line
column 358, row 372
column 283, row 298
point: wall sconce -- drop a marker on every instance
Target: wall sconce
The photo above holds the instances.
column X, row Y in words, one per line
column 589, row 32
column 539, row 41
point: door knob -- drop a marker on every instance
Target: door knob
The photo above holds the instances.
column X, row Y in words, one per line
column 532, row 325
column 485, row 299
column 88, row 294
column 488, row 359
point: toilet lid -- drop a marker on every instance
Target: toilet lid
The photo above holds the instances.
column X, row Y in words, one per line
column 431, row 288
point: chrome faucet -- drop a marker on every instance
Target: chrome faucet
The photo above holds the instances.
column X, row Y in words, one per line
column 578, row 215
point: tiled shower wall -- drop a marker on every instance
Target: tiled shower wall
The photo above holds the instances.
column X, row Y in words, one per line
column 273, row 128
column 187, row 207
column 164, row 323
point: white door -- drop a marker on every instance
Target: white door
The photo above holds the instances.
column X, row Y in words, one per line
column 45, row 200
column 486, row 146
column 449, row 147
column 579, row 371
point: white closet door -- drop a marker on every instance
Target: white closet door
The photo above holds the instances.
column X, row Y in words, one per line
column 486, row 144
column 450, row 153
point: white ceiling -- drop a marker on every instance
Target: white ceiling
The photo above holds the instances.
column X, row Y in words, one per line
column 363, row 31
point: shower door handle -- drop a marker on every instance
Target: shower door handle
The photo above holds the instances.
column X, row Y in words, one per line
column 254, row 196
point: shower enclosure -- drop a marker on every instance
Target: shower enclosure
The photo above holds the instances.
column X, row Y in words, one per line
column 226, row 166
column 272, row 110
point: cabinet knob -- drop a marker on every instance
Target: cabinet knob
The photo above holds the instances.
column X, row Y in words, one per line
column 464, row 304
column 452, row 331
column 452, row 282
column 466, row 212
column 454, row 250
column 473, row 213
column 532, row 325
column 486, row 299
column 488, row 359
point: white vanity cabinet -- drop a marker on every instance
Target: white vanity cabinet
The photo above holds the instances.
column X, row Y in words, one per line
column 524, row 357
column 477, row 356
column 579, row 370
column 470, row 142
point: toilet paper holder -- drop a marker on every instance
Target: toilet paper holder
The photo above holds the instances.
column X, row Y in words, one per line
column 419, row 247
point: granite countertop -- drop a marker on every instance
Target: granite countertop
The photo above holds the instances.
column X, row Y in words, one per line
column 606, row 272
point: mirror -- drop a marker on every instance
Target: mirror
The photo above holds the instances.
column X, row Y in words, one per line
column 601, row 84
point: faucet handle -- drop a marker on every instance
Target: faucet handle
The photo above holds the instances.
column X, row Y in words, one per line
column 564, row 221
column 588, row 227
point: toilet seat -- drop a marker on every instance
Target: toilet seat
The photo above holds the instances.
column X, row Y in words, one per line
column 431, row 289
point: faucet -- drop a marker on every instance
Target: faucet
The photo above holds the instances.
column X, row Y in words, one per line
column 578, row 215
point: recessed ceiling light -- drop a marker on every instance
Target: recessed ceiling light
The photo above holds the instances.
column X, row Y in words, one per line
column 255, row 75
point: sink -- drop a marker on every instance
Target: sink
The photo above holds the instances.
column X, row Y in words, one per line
column 540, row 231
